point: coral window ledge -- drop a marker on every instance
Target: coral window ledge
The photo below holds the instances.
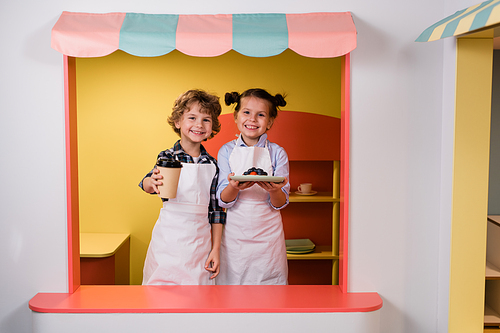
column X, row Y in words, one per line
column 205, row 299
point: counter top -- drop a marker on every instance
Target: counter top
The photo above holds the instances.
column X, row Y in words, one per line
column 100, row 245
column 205, row 299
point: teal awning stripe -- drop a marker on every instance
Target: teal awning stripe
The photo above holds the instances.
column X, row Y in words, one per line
column 462, row 22
column 260, row 35
column 481, row 18
column 452, row 26
column 148, row 35
column 426, row 34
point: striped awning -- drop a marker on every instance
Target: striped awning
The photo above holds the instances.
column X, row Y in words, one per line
column 464, row 21
column 316, row 35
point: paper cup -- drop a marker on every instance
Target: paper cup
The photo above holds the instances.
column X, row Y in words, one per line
column 171, row 171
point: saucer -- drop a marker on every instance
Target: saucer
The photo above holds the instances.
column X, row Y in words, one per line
column 308, row 193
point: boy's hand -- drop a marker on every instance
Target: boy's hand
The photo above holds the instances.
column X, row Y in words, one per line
column 156, row 180
column 213, row 263
column 238, row 185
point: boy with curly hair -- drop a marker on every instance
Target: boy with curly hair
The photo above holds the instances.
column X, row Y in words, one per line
column 185, row 243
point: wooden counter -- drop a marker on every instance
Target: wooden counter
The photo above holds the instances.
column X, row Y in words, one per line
column 104, row 258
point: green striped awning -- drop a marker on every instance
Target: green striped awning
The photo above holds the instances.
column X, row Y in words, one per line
column 467, row 20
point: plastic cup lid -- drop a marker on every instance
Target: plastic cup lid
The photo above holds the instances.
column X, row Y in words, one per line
column 168, row 163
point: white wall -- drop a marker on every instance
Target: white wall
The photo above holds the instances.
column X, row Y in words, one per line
column 400, row 151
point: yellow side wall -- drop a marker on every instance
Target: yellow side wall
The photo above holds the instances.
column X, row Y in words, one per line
column 123, row 102
column 470, row 184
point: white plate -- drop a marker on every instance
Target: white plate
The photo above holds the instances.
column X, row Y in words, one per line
column 257, row 178
column 299, row 252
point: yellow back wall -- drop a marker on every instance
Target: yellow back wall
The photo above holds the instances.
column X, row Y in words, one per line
column 123, row 102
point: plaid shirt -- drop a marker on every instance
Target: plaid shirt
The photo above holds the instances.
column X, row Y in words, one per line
column 216, row 214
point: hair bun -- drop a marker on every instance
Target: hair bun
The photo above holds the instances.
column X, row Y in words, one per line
column 232, row 97
column 280, row 100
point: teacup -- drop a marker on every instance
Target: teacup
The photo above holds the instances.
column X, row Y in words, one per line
column 305, row 188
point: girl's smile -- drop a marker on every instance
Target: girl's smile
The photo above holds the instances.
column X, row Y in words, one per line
column 253, row 119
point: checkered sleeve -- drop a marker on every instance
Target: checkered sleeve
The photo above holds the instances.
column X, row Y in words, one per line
column 216, row 214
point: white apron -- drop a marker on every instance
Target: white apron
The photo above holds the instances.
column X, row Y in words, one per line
column 253, row 250
column 181, row 239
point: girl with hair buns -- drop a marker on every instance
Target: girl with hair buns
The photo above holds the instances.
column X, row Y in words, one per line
column 253, row 248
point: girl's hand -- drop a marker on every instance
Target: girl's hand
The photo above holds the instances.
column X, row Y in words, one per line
column 276, row 195
column 238, row 185
column 213, row 263
column 272, row 187
column 155, row 180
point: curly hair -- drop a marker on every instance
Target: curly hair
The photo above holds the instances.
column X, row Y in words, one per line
column 209, row 104
column 274, row 102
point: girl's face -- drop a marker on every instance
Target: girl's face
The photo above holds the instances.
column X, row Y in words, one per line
column 194, row 125
column 253, row 119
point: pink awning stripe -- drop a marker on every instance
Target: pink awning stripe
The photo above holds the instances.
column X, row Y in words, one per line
column 204, row 35
column 87, row 34
column 315, row 35
column 321, row 35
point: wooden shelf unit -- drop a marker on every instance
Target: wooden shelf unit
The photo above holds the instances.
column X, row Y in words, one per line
column 315, row 217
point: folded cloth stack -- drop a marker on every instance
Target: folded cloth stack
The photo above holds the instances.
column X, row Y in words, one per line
column 299, row 246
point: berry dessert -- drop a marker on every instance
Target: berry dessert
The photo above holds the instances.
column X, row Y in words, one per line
column 253, row 171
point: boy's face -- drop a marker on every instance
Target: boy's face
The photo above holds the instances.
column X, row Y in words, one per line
column 194, row 125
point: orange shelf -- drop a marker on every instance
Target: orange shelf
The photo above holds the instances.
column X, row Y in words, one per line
column 320, row 252
column 491, row 317
column 319, row 197
column 492, row 272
